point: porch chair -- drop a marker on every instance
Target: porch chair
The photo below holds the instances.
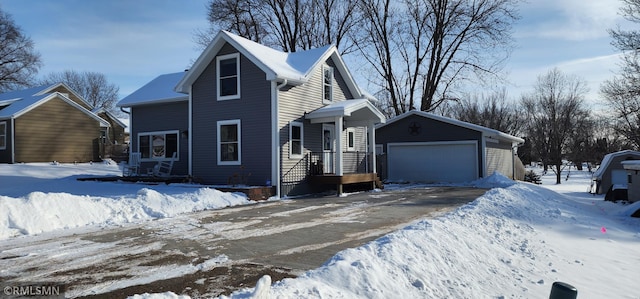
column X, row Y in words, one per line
column 133, row 167
column 163, row 168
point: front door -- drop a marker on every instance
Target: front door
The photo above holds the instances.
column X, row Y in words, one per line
column 328, row 147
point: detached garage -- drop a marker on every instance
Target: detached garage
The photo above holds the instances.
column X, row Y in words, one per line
column 423, row 147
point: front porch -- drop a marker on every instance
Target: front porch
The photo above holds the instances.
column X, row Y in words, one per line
column 348, row 154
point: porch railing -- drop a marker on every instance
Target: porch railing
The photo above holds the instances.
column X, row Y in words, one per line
column 315, row 163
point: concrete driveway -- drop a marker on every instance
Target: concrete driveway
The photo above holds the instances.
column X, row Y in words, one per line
column 210, row 253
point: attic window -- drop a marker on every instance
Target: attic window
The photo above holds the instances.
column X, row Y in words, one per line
column 327, row 84
column 228, row 76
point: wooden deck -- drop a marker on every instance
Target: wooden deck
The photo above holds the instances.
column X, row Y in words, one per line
column 351, row 178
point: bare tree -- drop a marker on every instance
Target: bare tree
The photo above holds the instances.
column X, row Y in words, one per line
column 556, row 114
column 19, row 62
column 290, row 25
column 492, row 111
column 422, row 48
column 92, row 86
column 623, row 91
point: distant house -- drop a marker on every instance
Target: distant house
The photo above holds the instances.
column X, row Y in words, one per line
column 632, row 167
column 249, row 114
column 611, row 171
column 424, row 147
column 48, row 123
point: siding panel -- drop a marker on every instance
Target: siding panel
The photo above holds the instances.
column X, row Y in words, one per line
column 56, row 131
column 163, row 117
column 254, row 111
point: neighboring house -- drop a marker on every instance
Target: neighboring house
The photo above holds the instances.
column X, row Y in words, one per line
column 112, row 142
column 159, row 123
column 423, row 147
column 253, row 115
column 632, row 167
column 611, row 171
column 48, row 123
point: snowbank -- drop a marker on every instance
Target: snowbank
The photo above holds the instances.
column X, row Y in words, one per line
column 27, row 212
column 513, row 242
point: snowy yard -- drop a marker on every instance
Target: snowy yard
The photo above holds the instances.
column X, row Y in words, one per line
column 513, row 242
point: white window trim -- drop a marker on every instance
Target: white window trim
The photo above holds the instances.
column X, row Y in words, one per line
column 330, row 100
column 351, row 148
column 225, row 57
column 291, row 154
column 218, row 153
column 177, row 132
column 4, row 135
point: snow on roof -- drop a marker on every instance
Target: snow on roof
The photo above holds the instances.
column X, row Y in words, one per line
column 14, row 102
column 484, row 130
column 607, row 160
column 346, row 108
column 160, row 89
column 294, row 67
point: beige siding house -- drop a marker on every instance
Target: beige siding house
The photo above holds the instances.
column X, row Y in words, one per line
column 48, row 123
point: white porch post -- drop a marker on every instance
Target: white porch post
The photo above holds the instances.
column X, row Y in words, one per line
column 371, row 128
column 339, row 128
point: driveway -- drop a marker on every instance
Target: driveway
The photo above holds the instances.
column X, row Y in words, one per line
column 211, row 253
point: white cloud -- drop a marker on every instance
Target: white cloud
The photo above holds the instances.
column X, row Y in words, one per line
column 568, row 19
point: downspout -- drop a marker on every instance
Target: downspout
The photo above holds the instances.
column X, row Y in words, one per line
column 13, row 140
column 275, row 137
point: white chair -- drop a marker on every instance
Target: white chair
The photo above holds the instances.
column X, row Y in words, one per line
column 163, row 168
column 133, row 167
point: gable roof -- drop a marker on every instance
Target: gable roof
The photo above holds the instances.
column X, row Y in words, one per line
column 608, row 158
column 114, row 118
column 16, row 103
column 294, row 67
column 487, row 132
column 158, row 90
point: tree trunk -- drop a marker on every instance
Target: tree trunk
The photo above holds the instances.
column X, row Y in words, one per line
column 558, row 173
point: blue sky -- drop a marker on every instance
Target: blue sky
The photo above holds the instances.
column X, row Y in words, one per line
column 132, row 42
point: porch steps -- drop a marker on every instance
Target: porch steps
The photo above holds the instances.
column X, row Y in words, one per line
column 378, row 182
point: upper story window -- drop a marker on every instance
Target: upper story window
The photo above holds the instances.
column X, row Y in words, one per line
column 3, row 135
column 229, row 142
column 296, row 139
column 158, row 145
column 327, row 84
column 228, row 76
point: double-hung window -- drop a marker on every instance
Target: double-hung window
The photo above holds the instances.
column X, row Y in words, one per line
column 327, row 84
column 228, row 76
column 158, row 145
column 296, row 139
column 3, row 135
column 229, row 142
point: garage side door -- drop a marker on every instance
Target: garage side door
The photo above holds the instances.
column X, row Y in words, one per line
column 433, row 161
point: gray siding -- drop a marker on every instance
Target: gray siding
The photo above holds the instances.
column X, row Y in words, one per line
column 5, row 154
column 430, row 130
column 500, row 159
column 253, row 110
column 163, row 117
column 294, row 102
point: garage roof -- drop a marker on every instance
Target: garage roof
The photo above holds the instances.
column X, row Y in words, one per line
column 486, row 132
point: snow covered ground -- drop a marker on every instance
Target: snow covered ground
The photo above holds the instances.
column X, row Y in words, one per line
column 42, row 197
column 513, row 242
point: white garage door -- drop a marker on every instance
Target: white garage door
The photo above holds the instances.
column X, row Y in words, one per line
column 433, row 161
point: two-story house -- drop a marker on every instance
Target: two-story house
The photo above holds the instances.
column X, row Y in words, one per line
column 258, row 116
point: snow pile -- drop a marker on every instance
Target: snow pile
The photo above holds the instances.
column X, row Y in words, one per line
column 510, row 243
column 41, row 212
column 63, row 202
